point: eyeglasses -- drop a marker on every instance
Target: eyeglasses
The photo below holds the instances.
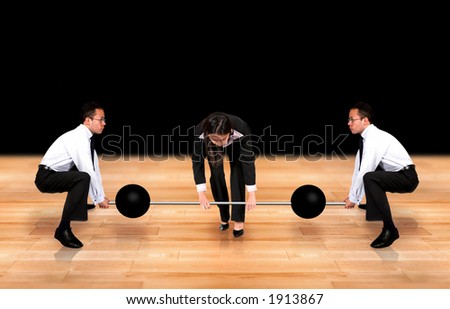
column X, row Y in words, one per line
column 103, row 119
column 353, row 120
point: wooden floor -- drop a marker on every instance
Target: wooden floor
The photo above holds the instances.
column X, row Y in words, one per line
column 181, row 247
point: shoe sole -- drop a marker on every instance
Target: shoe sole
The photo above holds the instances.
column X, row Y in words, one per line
column 67, row 246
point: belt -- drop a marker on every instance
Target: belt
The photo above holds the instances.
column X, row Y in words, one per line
column 45, row 167
column 411, row 166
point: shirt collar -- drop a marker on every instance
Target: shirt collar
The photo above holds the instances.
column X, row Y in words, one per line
column 88, row 132
column 366, row 130
column 233, row 136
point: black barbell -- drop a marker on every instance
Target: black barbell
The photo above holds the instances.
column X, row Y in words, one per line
column 307, row 201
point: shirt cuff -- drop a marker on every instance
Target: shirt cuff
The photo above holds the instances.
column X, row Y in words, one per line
column 354, row 200
column 251, row 188
column 201, row 187
column 98, row 199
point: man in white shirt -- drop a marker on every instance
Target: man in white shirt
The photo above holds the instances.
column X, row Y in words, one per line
column 71, row 165
column 384, row 166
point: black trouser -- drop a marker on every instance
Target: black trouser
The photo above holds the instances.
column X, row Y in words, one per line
column 237, row 184
column 75, row 183
column 377, row 183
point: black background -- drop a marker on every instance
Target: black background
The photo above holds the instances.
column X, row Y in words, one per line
column 162, row 82
column 169, row 104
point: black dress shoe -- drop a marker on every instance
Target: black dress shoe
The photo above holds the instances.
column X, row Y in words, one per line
column 238, row 233
column 67, row 238
column 224, row 227
column 90, row 206
column 386, row 238
column 362, row 206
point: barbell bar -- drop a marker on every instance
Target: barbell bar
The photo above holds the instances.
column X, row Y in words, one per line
column 225, row 203
column 308, row 201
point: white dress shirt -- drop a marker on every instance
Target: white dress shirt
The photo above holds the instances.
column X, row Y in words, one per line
column 73, row 148
column 380, row 149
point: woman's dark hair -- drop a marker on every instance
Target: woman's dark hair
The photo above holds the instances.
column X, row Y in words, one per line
column 215, row 123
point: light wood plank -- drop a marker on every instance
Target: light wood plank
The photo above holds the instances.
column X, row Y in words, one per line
column 180, row 246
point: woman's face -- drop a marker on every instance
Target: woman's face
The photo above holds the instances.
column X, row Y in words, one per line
column 218, row 139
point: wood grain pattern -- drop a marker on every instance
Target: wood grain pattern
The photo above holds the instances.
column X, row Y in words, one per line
column 181, row 247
